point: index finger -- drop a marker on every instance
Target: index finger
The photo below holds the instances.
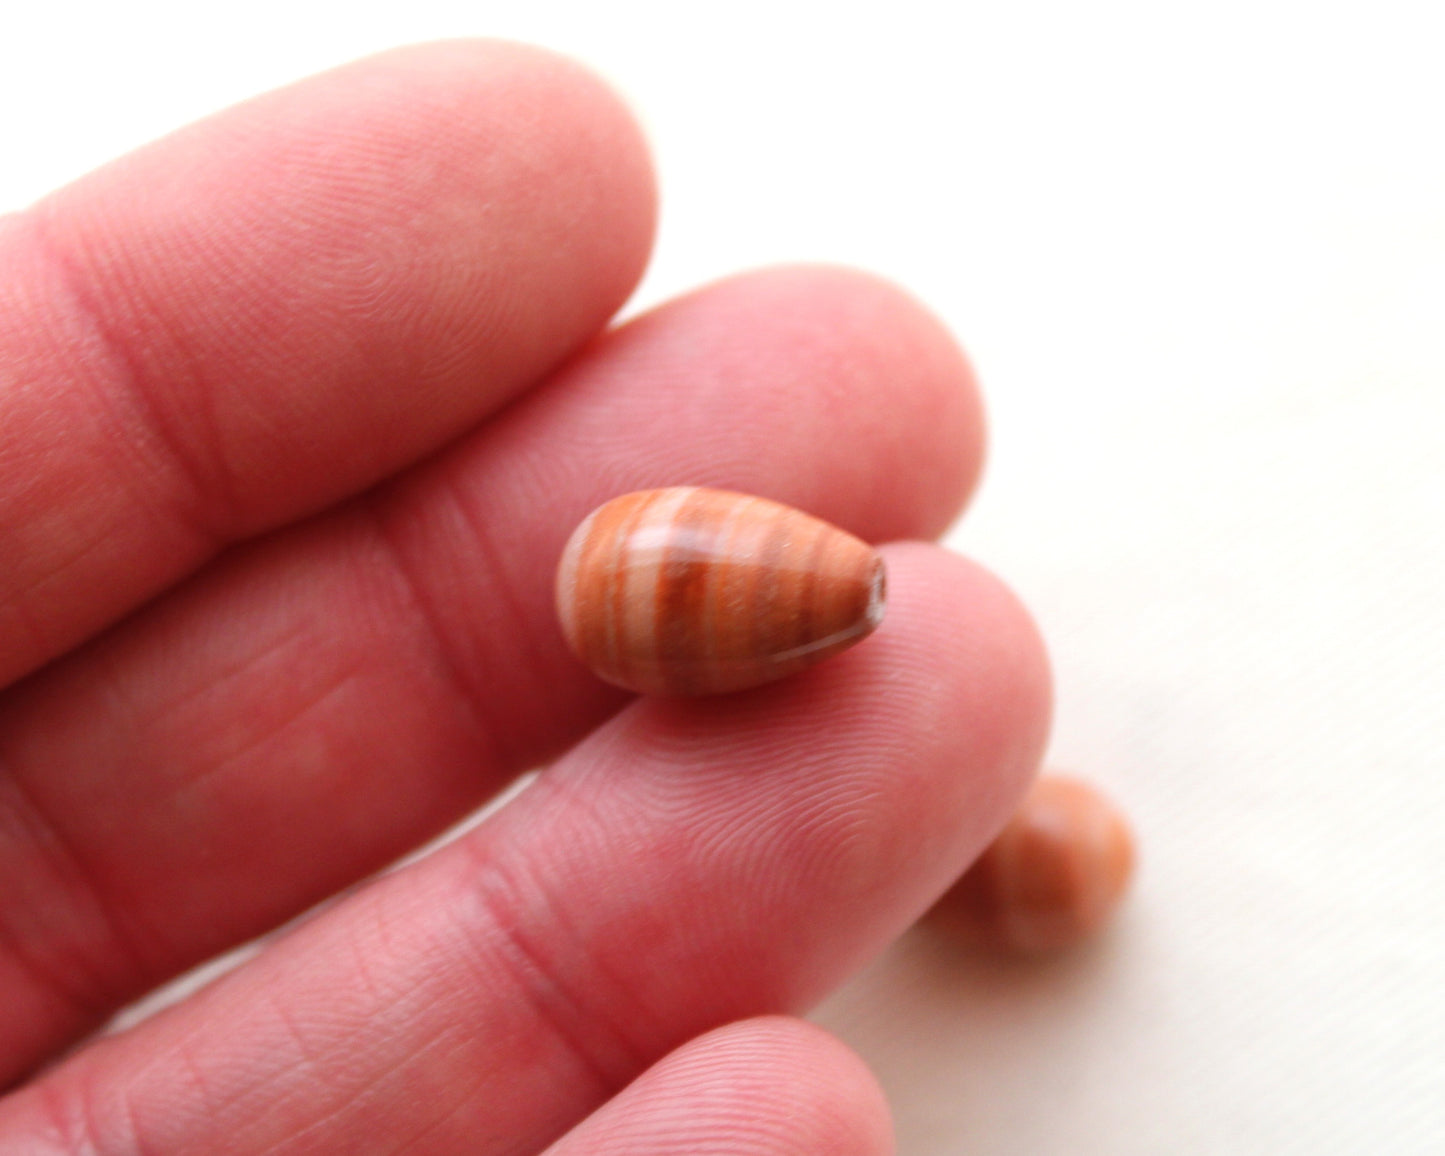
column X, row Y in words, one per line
column 283, row 304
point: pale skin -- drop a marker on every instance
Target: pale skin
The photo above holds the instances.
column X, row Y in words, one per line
column 297, row 408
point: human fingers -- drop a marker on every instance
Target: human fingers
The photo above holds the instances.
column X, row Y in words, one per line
column 763, row 1087
column 687, row 865
column 321, row 702
column 287, row 302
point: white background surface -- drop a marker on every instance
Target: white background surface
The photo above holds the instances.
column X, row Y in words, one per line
column 1198, row 255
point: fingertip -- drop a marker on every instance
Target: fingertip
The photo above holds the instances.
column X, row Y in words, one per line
column 959, row 671
column 279, row 306
column 560, row 134
column 905, row 331
column 865, row 784
column 851, row 1110
column 551, row 96
column 900, row 389
column 770, row 1086
column 949, row 612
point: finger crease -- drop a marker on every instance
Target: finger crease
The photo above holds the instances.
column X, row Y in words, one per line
column 80, row 985
column 453, row 669
column 205, row 502
column 521, row 661
column 72, row 1125
column 602, row 1049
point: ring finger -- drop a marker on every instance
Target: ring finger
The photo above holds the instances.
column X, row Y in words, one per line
column 688, row 864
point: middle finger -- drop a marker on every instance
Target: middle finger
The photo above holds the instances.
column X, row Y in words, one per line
column 320, row 702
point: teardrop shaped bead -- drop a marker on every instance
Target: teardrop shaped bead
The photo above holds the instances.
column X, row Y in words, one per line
column 690, row 591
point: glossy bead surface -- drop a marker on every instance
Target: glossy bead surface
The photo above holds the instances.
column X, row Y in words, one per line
column 691, row 591
column 1054, row 874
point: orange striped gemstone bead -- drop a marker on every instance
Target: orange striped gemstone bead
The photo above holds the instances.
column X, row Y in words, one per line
column 1054, row 874
column 690, row 591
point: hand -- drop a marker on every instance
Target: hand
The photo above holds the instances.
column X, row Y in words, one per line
column 297, row 408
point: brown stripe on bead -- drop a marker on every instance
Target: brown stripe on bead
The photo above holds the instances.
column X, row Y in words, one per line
column 609, row 565
column 641, row 562
column 734, row 589
column 683, row 629
column 812, row 587
column 705, row 591
column 724, row 581
column 584, row 606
